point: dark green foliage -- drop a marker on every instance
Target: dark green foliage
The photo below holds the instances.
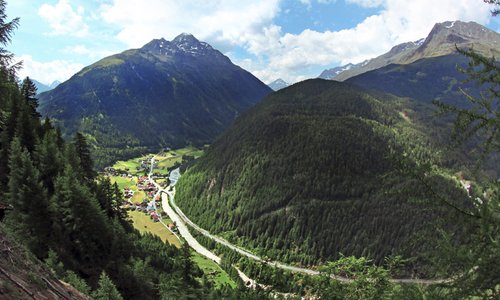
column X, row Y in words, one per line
column 476, row 270
column 7, row 71
column 309, row 172
column 106, row 290
column 80, row 228
column 55, row 265
column 141, row 99
column 482, row 116
column 77, row 282
column 424, row 80
column 49, row 158
column 29, row 91
column 369, row 281
column 83, row 154
column 436, row 80
column 27, row 195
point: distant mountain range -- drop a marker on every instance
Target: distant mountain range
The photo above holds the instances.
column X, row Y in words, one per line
column 442, row 40
column 278, row 84
column 165, row 94
column 334, row 72
column 43, row 87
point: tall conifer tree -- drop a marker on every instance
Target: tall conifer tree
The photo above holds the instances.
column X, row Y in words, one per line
column 30, row 215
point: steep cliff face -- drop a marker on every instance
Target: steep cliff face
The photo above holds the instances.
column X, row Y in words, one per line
column 22, row 276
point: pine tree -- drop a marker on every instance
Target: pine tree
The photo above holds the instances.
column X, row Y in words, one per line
column 46, row 127
column 26, row 127
column 55, row 265
column 7, row 71
column 29, row 91
column 77, row 282
column 106, row 290
column 104, row 194
column 10, row 119
column 83, row 153
column 119, row 211
column 483, row 118
column 81, row 233
column 48, row 158
column 30, row 217
column 478, row 277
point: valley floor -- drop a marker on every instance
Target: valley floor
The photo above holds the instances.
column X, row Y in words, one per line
column 127, row 174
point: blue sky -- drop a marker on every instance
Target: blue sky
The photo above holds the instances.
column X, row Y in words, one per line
column 289, row 39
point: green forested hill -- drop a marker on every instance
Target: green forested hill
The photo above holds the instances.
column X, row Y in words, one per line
column 312, row 171
column 424, row 80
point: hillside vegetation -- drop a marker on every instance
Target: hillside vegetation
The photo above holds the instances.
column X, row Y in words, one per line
column 313, row 171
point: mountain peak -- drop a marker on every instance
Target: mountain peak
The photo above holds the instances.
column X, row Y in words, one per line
column 184, row 44
column 187, row 38
column 278, row 84
column 331, row 73
column 460, row 32
column 443, row 39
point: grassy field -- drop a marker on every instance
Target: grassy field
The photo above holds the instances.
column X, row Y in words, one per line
column 188, row 151
column 213, row 271
column 129, row 165
column 143, row 223
column 124, row 182
column 165, row 161
column 174, row 156
column 138, row 197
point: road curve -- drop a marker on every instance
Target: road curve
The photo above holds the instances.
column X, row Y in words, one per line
column 181, row 226
column 280, row 265
column 183, row 230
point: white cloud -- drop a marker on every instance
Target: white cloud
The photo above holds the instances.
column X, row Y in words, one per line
column 64, row 20
column 366, row 3
column 292, row 55
column 47, row 72
column 83, row 50
column 222, row 23
column 308, row 3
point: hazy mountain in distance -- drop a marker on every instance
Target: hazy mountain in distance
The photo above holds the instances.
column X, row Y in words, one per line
column 278, row 84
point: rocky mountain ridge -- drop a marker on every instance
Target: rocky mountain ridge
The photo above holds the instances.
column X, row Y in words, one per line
column 442, row 40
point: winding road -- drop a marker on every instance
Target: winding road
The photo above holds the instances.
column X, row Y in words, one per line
column 181, row 226
column 181, row 220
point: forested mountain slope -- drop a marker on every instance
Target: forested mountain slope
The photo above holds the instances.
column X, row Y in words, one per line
column 312, row 171
column 425, row 80
column 165, row 94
